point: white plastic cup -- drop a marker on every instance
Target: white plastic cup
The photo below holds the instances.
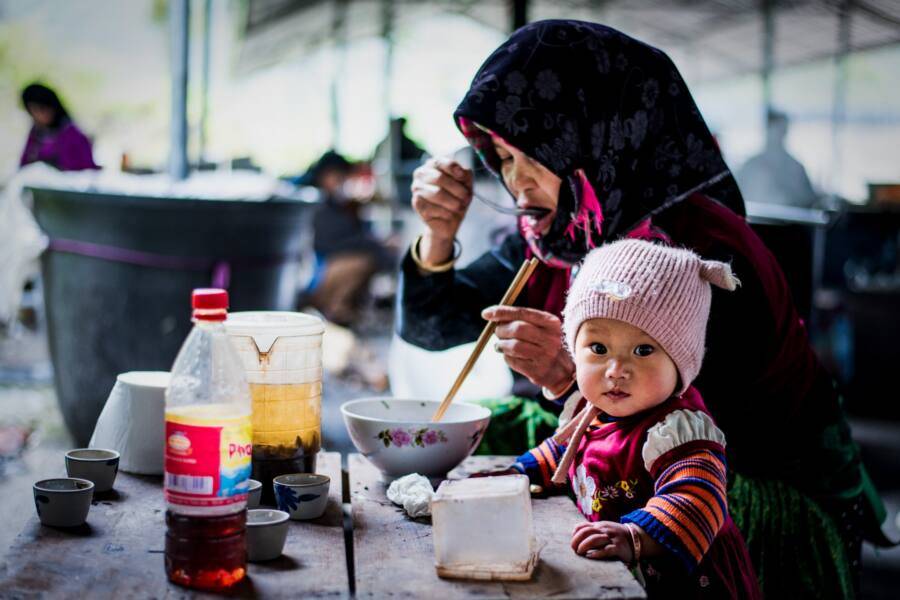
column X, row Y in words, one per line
column 133, row 421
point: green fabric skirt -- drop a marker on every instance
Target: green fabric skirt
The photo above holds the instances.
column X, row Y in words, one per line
column 795, row 545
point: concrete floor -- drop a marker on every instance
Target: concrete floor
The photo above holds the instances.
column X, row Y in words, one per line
column 27, row 398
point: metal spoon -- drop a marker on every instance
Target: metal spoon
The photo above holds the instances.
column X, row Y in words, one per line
column 513, row 210
column 508, row 210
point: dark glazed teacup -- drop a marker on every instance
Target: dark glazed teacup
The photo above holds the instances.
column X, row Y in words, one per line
column 64, row 501
column 94, row 464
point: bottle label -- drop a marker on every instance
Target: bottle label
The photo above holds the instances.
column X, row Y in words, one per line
column 207, row 463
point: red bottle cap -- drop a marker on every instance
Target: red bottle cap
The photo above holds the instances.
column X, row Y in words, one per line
column 210, row 304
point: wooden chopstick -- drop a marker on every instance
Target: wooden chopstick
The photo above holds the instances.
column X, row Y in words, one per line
column 517, row 285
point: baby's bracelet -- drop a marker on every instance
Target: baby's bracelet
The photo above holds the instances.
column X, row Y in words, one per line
column 635, row 542
column 441, row 268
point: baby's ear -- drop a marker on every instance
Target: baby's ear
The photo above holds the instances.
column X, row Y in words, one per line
column 719, row 274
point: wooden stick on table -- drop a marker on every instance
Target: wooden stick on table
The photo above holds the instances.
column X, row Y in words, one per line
column 509, row 297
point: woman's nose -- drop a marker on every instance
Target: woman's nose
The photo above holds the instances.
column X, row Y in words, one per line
column 520, row 178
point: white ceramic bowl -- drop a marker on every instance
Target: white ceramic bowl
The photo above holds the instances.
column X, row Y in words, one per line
column 266, row 533
column 398, row 437
column 254, row 493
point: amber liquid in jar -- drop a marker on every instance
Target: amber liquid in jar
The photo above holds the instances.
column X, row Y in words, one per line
column 287, row 431
column 207, row 553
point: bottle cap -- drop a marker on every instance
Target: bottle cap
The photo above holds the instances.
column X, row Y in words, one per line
column 210, row 304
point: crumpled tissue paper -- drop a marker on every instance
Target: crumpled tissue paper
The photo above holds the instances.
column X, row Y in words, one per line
column 413, row 492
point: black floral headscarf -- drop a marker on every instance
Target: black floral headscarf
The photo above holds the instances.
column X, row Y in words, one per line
column 611, row 116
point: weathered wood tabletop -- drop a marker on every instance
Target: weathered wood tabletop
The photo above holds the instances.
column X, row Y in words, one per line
column 119, row 552
column 394, row 556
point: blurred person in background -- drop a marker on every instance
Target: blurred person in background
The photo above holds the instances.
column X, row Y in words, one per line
column 409, row 149
column 347, row 255
column 395, row 158
column 54, row 138
column 774, row 176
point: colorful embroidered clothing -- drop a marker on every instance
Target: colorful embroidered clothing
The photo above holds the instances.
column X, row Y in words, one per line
column 664, row 470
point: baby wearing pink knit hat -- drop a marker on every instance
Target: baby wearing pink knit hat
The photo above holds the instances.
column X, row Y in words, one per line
column 650, row 301
column 661, row 290
column 645, row 458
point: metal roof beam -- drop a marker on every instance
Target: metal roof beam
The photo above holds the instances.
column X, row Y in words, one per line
column 874, row 11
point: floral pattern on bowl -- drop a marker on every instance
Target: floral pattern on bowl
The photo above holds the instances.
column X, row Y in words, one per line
column 288, row 500
column 398, row 435
column 420, row 437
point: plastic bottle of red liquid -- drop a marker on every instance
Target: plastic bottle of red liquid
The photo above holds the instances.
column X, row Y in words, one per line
column 208, row 451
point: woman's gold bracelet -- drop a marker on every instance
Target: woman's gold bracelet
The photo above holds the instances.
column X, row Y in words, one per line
column 441, row 268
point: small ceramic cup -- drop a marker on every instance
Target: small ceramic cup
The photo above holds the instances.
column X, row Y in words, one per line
column 254, row 492
column 302, row 495
column 94, row 464
column 267, row 530
column 63, row 502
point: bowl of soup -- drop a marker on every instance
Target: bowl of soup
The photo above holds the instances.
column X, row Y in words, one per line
column 398, row 437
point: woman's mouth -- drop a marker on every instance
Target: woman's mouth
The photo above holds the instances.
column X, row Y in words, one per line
column 538, row 217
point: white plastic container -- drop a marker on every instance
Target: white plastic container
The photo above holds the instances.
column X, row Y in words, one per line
column 483, row 529
column 133, row 421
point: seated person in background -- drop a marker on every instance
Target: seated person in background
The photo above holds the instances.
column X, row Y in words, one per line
column 773, row 175
column 347, row 255
column 395, row 158
column 54, row 139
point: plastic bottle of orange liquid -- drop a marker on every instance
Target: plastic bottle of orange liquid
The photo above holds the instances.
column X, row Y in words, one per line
column 207, row 453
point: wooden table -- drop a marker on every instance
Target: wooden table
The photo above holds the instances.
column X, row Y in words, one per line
column 119, row 552
column 393, row 555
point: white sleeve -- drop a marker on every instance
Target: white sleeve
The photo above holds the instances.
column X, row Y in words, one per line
column 569, row 407
column 679, row 427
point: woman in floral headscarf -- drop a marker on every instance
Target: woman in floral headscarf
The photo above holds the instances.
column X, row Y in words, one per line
column 596, row 137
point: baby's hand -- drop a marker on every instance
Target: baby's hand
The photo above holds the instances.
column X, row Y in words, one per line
column 602, row 539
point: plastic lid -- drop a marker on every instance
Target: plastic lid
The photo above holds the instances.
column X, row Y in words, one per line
column 267, row 326
column 149, row 379
column 483, row 487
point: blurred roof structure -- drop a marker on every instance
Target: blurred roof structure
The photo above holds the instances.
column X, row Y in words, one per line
column 708, row 39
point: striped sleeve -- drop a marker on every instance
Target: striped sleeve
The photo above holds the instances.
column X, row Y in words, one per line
column 688, row 507
column 540, row 463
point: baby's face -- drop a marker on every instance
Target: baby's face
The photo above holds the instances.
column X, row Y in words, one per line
column 620, row 369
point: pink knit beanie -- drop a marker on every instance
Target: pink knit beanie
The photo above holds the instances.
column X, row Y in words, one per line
column 662, row 290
